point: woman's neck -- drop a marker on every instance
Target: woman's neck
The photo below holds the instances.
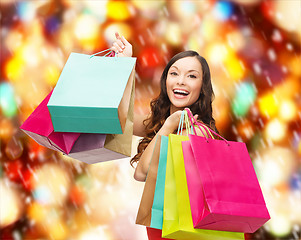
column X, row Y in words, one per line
column 173, row 109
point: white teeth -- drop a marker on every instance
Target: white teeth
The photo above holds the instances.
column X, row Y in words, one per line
column 181, row 91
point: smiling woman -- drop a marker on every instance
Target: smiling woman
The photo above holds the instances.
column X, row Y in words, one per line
column 185, row 82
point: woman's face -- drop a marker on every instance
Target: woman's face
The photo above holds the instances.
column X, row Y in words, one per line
column 184, row 82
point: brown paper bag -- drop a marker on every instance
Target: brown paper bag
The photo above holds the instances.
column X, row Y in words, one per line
column 145, row 208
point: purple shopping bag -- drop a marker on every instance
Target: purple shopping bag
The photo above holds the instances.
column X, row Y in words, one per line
column 223, row 188
column 39, row 127
column 92, row 148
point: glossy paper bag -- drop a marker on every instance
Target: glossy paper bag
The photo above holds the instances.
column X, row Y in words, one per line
column 230, row 198
column 39, row 127
column 92, row 94
column 177, row 219
column 144, row 211
column 94, row 148
column 158, row 203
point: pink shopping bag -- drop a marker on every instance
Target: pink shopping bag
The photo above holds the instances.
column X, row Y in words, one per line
column 39, row 127
column 223, row 188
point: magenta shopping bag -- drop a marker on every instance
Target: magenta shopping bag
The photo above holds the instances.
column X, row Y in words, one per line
column 223, row 188
column 39, row 127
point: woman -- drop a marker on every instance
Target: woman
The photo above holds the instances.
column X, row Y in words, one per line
column 185, row 82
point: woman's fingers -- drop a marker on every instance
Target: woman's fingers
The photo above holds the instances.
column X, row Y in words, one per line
column 116, row 45
column 117, row 35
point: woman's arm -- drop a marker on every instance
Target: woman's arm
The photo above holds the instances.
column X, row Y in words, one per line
column 170, row 125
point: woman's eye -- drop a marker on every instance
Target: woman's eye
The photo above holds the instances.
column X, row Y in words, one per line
column 173, row 73
column 192, row 76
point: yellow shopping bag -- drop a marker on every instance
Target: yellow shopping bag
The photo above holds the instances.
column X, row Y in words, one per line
column 177, row 218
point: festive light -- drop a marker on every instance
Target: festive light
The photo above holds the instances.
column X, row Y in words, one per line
column 26, row 11
column 14, row 149
column 51, row 185
column 52, row 74
column 276, row 130
column 8, row 103
column 14, row 67
column 244, row 98
column 118, row 10
column 247, row 2
column 287, row 110
column 87, row 31
column 173, row 33
column 280, row 225
column 236, row 40
column 13, row 169
column 150, row 9
column 287, row 16
column 97, row 9
column 223, row 10
column 268, row 105
column 234, row 68
column 57, row 230
column 210, row 28
column 100, row 232
column 37, row 212
column 274, row 165
column 10, row 203
column 217, row 53
column 6, row 129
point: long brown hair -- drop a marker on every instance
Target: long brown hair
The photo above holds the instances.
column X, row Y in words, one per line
column 160, row 106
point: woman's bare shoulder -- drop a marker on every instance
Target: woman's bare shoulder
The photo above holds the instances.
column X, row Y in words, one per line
column 139, row 125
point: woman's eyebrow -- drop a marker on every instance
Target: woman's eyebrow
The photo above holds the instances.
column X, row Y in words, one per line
column 194, row 71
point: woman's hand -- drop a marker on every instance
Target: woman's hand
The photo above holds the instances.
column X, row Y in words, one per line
column 122, row 46
column 172, row 122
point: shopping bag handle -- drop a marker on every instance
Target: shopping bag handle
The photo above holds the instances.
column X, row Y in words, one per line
column 184, row 119
column 110, row 53
column 201, row 124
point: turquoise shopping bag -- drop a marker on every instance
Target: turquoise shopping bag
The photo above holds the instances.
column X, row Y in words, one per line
column 92, row 94
column 158, row 202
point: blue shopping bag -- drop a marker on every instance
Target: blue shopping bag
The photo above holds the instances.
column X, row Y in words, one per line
column 158, row 202
column 92, row 94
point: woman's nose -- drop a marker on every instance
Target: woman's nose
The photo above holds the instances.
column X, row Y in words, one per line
column 181, row 80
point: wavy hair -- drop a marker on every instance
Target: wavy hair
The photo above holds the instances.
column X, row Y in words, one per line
column 160, row 106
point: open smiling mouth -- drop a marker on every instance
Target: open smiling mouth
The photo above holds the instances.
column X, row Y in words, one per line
column 180, row 93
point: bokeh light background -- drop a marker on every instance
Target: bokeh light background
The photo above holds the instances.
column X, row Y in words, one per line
column 253, row 49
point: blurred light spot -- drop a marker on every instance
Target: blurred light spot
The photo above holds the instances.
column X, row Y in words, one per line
column 26, row 11
column 287, row 110
column 223, row 10
column 10, row 204
column 8, row 103
column 244, row 98
column 276, row 130
column 280, row 225
column 268, row 105
column 118, row 10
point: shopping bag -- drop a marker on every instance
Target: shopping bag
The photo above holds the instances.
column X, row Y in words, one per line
column 39, row 127
column 92, row 94
column 144, row 211
column 229, row 197
column 154, row 234
column 158, row 202
column 177, row 219
column 94, row 148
